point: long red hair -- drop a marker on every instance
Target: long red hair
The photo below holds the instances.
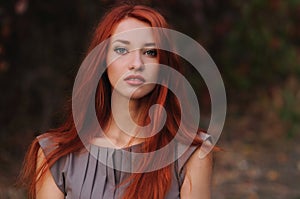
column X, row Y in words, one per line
column 153, row 184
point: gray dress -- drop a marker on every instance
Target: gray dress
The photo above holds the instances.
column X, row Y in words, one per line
column 84, row 175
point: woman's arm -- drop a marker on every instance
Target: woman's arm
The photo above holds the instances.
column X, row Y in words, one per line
column 46, row 187
column 197, row 181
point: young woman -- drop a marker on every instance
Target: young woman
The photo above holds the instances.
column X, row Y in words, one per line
column 76, row 161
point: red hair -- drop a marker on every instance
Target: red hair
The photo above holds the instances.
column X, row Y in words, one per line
column 154, row 184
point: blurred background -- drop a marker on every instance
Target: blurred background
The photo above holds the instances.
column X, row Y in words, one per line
column 255, row 44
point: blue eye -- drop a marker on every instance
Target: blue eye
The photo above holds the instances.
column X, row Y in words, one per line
column 121, row 50
column 151, row 52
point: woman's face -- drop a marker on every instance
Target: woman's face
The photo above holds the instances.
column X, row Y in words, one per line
column 132, row 59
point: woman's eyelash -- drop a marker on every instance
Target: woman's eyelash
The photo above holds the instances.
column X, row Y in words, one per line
column 151, row 52
column 120, row 50
column 123, row 51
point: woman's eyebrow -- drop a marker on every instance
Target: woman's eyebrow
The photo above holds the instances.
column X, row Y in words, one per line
column 149, row 44
column 128, row 42
column 121, row 41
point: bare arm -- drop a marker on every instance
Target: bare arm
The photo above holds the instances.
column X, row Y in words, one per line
column 46, row 187
column 197, row 181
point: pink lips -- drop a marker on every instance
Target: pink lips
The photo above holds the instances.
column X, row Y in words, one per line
column 134, row 80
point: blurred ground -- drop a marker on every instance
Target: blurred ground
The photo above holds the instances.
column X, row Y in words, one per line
column 254, row 170
column 261, row 157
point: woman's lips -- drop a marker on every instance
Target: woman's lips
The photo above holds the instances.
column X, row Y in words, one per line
column 134, row 80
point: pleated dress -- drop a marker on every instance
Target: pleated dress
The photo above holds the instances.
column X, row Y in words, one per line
column 96, row 173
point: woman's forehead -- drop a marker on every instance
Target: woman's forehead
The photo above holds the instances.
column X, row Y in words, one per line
column 133, row 31
column 130, row 23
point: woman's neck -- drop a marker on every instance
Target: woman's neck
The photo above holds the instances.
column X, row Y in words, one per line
column 123, row 126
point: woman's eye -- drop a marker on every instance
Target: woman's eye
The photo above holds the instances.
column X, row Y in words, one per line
column 151, row 52
column 121, row 50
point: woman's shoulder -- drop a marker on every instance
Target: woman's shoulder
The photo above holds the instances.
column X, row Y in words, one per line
column 48, row 152
column 195, row 168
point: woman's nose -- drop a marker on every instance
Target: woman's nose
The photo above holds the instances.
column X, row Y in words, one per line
column 136, row 60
